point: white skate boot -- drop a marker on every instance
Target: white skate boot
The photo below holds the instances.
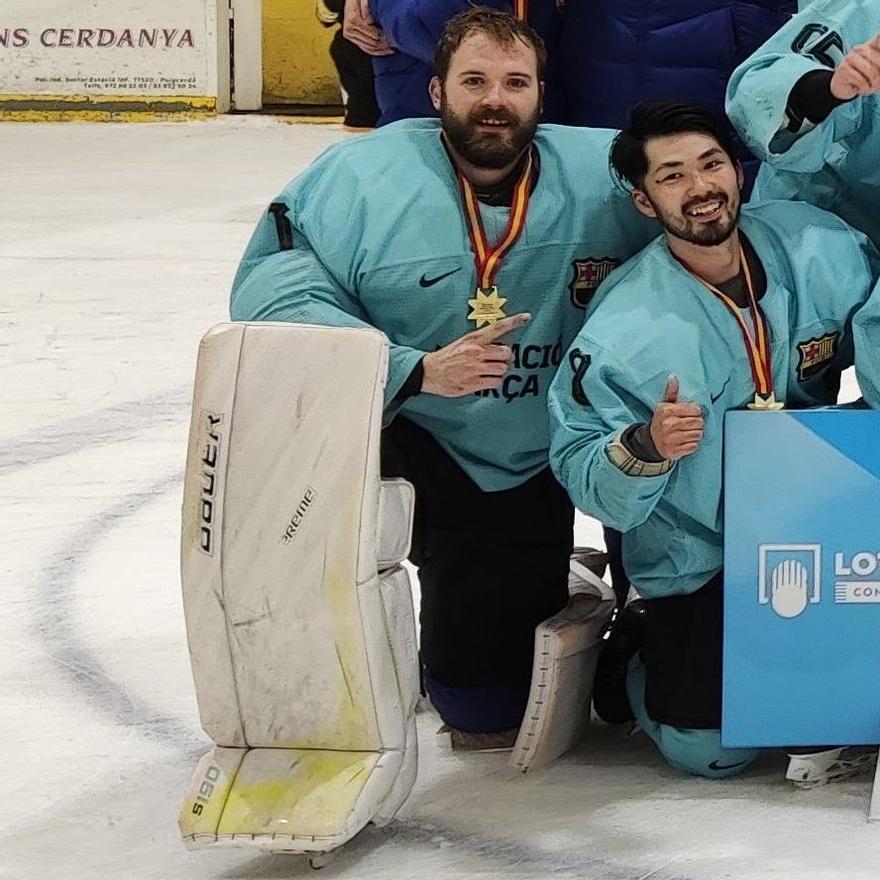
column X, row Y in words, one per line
column 830, row 765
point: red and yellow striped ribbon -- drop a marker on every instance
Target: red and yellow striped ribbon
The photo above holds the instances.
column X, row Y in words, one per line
column 521, row 9
column 487, row 258
column 757, row 346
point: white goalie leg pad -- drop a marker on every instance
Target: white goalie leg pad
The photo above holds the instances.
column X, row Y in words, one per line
column 299, row 615
column 564, row 667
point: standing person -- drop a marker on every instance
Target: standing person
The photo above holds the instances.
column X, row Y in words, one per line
column 354, row 68
column 402, row 35
column 474, row 243
column 614, row 53
column 727, row 302
column 808, row 103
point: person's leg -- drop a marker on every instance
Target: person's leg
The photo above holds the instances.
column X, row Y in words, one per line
column 355, row 70
column 698, row 752
column 492, row 566
column 619, row 580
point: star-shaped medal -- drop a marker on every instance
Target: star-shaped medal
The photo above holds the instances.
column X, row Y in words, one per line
column 486, row 306
column 767, row 404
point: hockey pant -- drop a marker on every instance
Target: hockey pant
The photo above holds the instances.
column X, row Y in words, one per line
column 492, row 566
column 674, row 684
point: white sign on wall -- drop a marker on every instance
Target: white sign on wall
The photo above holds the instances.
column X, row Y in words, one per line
column 135, row 49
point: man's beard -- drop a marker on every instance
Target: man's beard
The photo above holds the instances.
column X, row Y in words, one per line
column 488, row 150
column 704, row 234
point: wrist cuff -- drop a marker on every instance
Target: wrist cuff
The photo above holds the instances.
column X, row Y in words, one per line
column 626, row 462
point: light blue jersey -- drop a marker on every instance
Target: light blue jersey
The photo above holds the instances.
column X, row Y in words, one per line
column 835, row 164
column 377, row 237
column 652, row 319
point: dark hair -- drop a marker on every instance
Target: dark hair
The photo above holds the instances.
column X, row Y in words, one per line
column 652, row 119
column 501, row 27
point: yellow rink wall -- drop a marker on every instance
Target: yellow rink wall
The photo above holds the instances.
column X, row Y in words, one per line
column 296, row 55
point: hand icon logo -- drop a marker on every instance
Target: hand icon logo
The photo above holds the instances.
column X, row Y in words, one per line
column 788, row 590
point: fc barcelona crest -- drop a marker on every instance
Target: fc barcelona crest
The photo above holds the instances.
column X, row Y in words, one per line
column 815, row 355
column 588, row 275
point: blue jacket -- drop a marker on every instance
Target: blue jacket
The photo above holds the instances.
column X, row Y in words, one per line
column 617, row 52
column 414, row 27
column 614, row 53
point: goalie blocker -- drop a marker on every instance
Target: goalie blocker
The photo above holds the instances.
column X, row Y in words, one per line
column 299, row 615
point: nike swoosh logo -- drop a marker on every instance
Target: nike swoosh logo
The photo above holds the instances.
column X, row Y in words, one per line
column 430, row 282
column 716, row 766
column 714, row 397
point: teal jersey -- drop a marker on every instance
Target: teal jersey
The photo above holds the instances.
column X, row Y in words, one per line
column 377, row 237
column 833, row 164
column 652, row 318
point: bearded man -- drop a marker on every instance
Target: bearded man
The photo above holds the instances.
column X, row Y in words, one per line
column 757, row 306
column 449, row 235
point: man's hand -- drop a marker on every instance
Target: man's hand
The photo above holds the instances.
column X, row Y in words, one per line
column 359, row 28
column 474, row 362
column 676, row 428
column 858, row 73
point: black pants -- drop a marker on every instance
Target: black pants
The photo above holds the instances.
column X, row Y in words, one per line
column 492, row 565
column 355, row 70
column 682, row 656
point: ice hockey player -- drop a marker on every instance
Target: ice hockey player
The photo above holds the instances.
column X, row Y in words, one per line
column 474, row 243
column 726, row 298
column 808, row 103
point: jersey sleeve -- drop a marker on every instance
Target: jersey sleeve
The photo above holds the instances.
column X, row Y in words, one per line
column 282, row 278
column 415, row 26
column 590, row 406
column 866, row 334
column 758, row 91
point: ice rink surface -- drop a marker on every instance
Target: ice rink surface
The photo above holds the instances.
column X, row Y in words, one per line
column 117, row 248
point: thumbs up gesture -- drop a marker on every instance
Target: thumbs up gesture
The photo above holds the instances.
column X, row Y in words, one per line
column 676, row 426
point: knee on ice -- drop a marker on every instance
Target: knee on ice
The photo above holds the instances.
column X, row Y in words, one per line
column 700, row 753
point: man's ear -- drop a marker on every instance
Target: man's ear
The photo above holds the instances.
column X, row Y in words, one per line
column 740, row 175
column 643, row 203
column 435, row 90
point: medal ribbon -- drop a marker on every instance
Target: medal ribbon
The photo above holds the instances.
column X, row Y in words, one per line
column 757, row 346
column 521, row 9
column 488, row 259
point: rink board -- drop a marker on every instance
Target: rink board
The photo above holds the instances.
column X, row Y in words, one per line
column 802, row 578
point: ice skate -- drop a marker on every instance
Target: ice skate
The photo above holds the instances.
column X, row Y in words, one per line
column 830, row 765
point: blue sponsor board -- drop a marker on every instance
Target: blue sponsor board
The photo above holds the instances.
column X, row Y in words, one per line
column 802, row 578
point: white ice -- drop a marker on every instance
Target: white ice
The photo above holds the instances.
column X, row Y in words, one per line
column 117, row 247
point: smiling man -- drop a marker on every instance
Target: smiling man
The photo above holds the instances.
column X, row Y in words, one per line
column 757, row 306
column 474, row 243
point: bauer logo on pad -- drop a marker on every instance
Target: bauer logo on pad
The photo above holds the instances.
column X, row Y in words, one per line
column 790, row 577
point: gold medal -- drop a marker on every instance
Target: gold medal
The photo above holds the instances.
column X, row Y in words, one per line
column 766, row 403
column 486, row 306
